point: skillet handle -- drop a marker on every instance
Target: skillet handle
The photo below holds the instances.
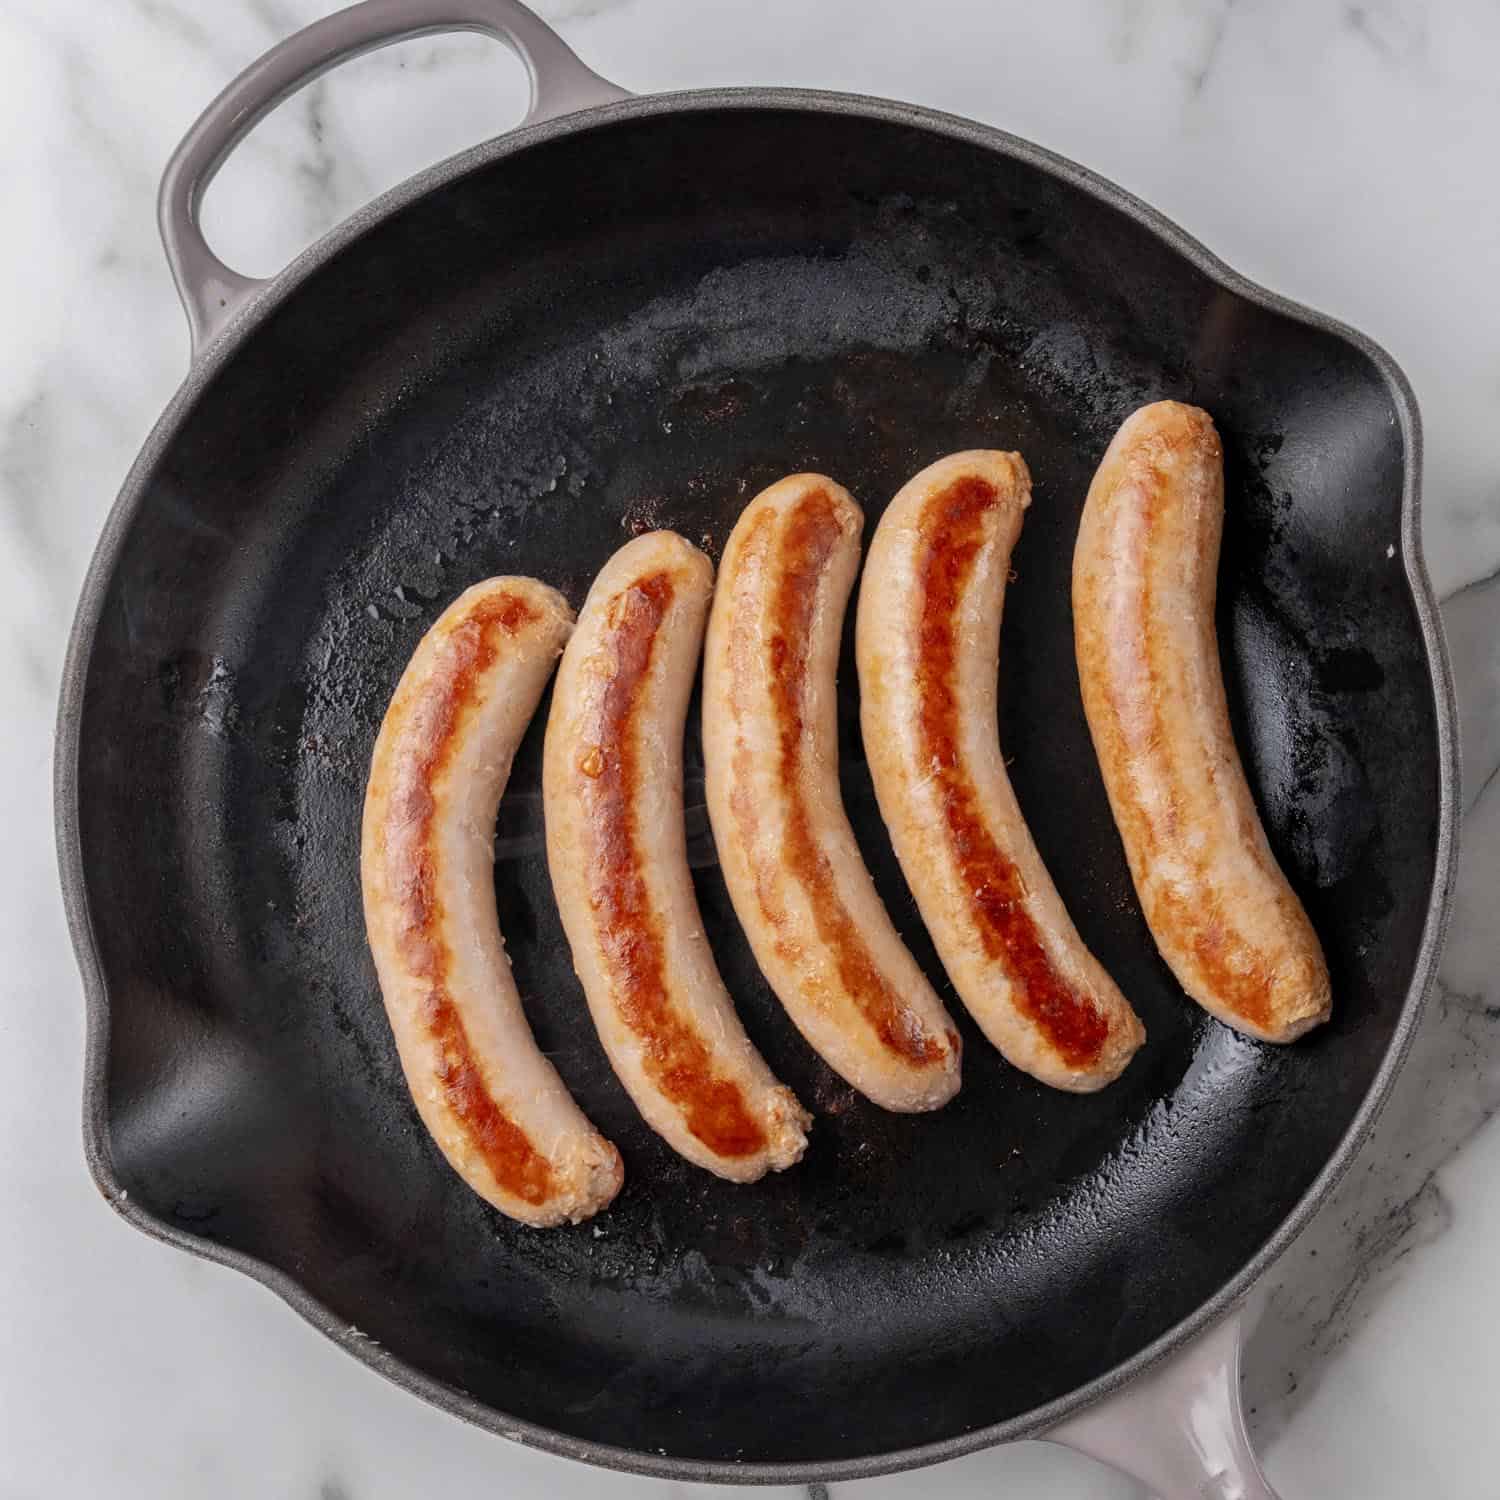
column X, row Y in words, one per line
column 211, row 292
column 1179, row 1428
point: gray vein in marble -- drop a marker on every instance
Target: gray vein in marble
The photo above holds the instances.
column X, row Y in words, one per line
column 1199, row 71
column 1125, row 34
column 178, row 23
column 1380, row 1246
column 1485, row 785
column 276, row 19
column 1464, row 590
column 323, row 169
column 1396, row 35
column 83, row 85
column 559, row 12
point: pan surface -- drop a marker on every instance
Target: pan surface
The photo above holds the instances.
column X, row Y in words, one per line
column 633, row 319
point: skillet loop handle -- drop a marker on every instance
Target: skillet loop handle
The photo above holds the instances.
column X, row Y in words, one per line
column 211, row 292
column 1179, row 1429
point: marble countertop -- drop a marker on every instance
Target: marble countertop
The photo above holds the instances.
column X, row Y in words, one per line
column 1340, row 153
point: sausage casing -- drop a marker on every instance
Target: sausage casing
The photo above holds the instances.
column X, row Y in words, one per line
column 1144, row 582
column 928, row 644
column 617, row 850
column 496, row 1107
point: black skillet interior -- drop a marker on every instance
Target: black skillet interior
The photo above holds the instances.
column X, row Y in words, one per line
column 640, row 326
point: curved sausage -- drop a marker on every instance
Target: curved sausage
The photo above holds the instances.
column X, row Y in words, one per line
column 495, row 1106
column 770, row 748
column 617, row 849
column 928, row 645
column 1144, row 580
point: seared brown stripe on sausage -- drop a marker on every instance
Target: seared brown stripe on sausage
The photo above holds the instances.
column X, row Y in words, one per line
column 617, row 851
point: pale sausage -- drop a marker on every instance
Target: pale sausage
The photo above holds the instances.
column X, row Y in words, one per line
column 1144, row 582
column 770, row 746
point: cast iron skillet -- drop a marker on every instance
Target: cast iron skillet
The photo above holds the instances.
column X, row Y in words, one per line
column 636, row 316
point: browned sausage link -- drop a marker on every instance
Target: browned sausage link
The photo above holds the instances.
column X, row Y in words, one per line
column 1144, row 583
column 928, row 648
column 790, row 859
column 616, row 848
column 958, row 521
column 492, row 1102
column 676, row 1058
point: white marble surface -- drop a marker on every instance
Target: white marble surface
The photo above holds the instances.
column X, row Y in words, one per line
column 1341, row 153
